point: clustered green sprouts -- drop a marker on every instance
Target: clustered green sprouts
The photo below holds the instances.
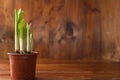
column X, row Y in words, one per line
column 22, row 34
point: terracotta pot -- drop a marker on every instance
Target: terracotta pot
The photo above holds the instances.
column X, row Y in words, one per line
column 22, row 66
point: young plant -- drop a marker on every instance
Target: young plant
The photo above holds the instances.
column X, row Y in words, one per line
column 31, row 42
column 22, row 32
column 29, row 39
column 18, row 17
column 22, row 35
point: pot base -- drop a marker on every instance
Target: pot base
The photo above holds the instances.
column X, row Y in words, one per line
column 23, row 79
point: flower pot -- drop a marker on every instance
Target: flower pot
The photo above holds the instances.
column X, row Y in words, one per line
column 22, row 66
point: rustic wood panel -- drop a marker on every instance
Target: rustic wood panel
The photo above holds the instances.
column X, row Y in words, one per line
column 6, row 28
column 70, row 30
column 110, row 30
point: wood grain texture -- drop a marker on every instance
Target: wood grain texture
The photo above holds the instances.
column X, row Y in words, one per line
column 110, row 30
column 6, row 28
column 103, row 71
column 65, row 30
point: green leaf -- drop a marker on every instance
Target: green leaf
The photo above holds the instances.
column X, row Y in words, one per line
column 19, row 15
column 31, row 42
column 28, row 29
column 28, row 37
column 22, row 29
column 16, row 33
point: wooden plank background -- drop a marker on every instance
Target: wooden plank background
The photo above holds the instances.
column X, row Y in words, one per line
column 65, row 31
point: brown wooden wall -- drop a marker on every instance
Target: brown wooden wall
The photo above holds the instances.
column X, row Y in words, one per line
column 65, row 31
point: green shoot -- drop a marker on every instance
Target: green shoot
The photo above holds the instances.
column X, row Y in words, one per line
column 28, row 38
column 18, row 17
column 16, row 34
column 31, row 42
column 22, row 35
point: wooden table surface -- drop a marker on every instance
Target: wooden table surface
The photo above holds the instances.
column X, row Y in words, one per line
column 91, row 71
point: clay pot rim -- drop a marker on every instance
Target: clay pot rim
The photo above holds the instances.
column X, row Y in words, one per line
column 15, row 54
